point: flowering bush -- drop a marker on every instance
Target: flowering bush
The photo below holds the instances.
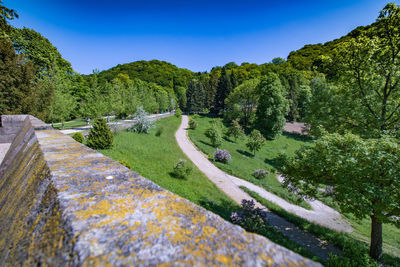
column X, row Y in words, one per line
column 181, row 169
column 222, row 155
column 260, row 174
column 250, row 218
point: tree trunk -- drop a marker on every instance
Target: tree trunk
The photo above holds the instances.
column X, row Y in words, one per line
column 375, row 250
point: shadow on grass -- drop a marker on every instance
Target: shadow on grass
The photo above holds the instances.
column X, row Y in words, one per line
column 223, row 209
column 173, row 175
column 273, row 162
column 227, row 139
column 298, row 137
column 206, row 143
column 245, row 153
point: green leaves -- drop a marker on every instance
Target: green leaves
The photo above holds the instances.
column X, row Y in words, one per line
column 272, row 107
column 364, row 173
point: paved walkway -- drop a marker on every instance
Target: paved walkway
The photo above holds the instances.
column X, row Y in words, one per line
column 230, row 185
column 3, row 150
column 121, row 125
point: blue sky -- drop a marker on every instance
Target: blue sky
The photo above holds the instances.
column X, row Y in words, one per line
column 196, row 35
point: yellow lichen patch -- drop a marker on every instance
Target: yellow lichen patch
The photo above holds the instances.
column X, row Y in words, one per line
column 113, row 210
column 224, row 260
column 208, row 231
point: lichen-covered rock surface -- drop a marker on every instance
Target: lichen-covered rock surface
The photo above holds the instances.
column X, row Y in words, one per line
column 62, row 203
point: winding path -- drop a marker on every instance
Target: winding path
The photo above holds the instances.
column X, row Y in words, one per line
column 230, row 185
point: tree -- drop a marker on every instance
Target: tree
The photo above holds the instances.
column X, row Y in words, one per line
column 100, row 136
column 235, row 130
column 223, row 90
column 214, row 133
column 367, row 94
column 19, row 92
column 40, row 51
column 246, row 96
column 364, row 176
column 255, row 141
column 195, row 96
column 272, row 107
column 6, row 14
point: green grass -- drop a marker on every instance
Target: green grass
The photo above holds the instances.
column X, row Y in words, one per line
column 154, row 157
column 359, row 238
column 71, row 124
column 243, row 163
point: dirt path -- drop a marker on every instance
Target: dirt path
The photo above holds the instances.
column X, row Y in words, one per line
column 230, row 185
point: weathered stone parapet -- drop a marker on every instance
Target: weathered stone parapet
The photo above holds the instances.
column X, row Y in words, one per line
column 62, row 203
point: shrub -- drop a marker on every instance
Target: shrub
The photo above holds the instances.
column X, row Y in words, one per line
column 178, row 113
column 255, row 142
column 235, row 130
column 143, row 122
column 78, row 137
column 100, row 136
column 260, row 174
column 181, row 169
column 250, row 218
column 125, row 163
column 215, row 136
column 193, row 123
column 205, row 111
column 195, row 116
column 222, row 155
column 159, row 131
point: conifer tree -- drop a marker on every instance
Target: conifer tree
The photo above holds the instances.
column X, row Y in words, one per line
column 195, row 96
column 100, row 136
column 224, row 88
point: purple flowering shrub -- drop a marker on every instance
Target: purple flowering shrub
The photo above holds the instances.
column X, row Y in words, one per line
column 260, row 174
column 222, row 155
column 250, row 218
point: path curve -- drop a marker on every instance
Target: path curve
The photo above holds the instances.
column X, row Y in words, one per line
column 230, row 186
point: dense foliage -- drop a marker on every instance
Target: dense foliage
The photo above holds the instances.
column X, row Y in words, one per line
column 363, row 175
column 272, row 107
column 100, row 136
column 78, row 137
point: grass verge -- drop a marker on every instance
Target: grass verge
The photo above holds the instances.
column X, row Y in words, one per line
column 243, row 163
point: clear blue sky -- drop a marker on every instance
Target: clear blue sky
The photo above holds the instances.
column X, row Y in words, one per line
column 196, row 35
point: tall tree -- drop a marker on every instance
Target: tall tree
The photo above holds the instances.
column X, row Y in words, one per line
column 19, row 92
column 364, row 176
column 368, row 91
column 272, row 107
column 40, row 51
column 195, row 96
column 5, row 15
column 246, row 96
column 224, row 88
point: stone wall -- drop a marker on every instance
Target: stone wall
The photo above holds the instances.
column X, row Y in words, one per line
column 62, row 203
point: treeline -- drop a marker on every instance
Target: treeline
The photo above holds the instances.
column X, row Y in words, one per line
column 36, row 80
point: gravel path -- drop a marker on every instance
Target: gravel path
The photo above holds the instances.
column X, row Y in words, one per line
column 230, row 185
